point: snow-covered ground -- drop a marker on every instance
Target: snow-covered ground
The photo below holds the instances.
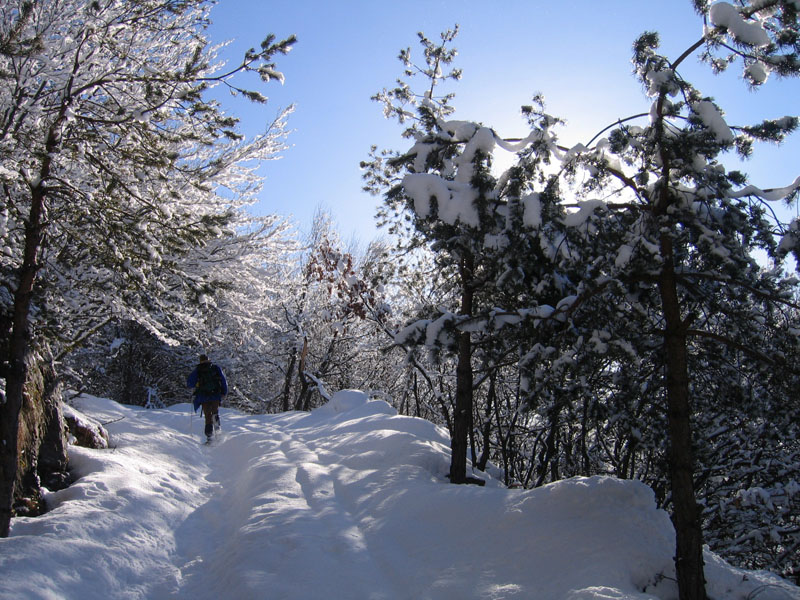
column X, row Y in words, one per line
column 350, row 501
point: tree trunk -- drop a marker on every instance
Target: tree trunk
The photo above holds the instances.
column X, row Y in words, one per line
column 549, row 455
column 462, row 415
column 18, row 354
column 9, row 427
column 487, row 423
column 686, row 514
column 301, row 403
column 463, row 409
column 287, row 383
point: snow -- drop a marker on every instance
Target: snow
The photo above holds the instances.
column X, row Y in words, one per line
column 350, row 501
column 711, row 117
column 522, row 144
column 757, row 72
column 454, row 194
column 455, row 199
column 459, row 131
column 436, row 333
column 623, row 256
column 411, row 331
column 532, row 210
column 771, row 195
column 661, row 80
column 481, row 141
column 751, row 33
column 578, row 218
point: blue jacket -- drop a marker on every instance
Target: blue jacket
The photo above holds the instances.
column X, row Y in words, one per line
column 191, row 382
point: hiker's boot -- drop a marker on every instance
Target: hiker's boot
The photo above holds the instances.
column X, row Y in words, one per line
column 217, row 425
column 209, row 430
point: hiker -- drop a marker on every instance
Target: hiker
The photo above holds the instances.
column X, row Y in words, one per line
column 210, row 386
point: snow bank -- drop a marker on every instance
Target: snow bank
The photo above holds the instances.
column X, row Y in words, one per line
column 350, row 501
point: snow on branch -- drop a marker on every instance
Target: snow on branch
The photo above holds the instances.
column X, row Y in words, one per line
column 747, row 32
column 771, row 194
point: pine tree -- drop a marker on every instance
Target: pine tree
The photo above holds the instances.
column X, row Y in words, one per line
column 644, row 300
column 688, row 253
column 441, row 196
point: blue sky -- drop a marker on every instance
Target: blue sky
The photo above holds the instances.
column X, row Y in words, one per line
column 576, row 52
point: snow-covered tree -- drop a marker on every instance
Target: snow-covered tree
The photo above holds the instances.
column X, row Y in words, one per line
column 328, row 319
column 244, row 271
column 643, row 287
column 114, row 168
column 441, row 194
column 249, row 269
column 686, row 253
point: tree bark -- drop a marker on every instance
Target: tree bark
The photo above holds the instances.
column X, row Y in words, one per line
column 463, row 409
column 9, row 427
column 287, row 383
column 18, row 352
column 302, row 399
column 487, row 424
column 464, row 381
column 686, row 513
column 549, row 460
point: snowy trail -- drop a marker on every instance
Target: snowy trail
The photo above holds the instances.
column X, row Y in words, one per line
column 349, row 502
column 270, row 525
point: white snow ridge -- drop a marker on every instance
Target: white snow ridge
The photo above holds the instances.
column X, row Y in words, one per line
column 350, row 501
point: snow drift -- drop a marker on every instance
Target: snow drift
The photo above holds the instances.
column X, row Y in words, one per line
column 350, row 501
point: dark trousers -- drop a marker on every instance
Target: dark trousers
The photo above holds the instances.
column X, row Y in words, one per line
column 211, row 413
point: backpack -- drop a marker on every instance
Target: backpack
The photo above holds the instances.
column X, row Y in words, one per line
column 208, row 380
